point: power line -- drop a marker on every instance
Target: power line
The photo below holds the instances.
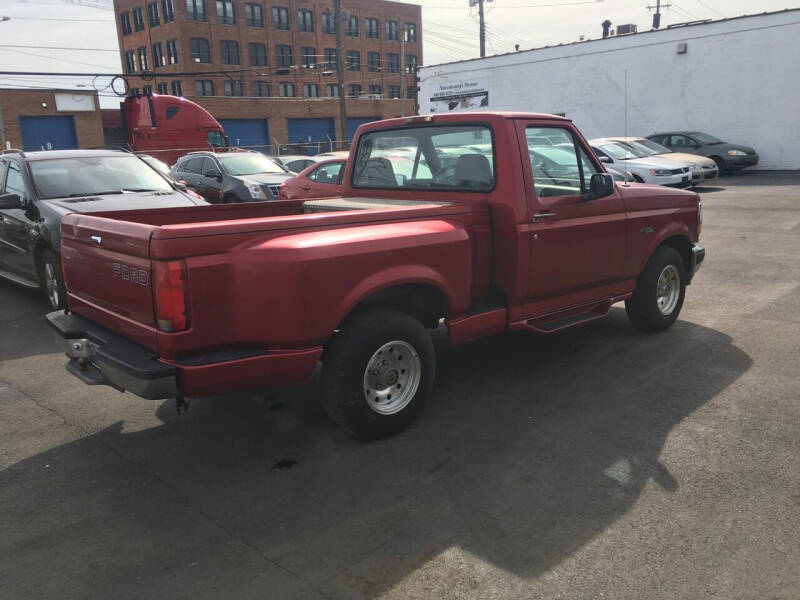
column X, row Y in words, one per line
column 62, row 19
column 77, row 62
column 503, row 7
column 700, row 2
column 60, row 48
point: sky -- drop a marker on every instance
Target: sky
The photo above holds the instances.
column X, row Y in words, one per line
column 80, row 35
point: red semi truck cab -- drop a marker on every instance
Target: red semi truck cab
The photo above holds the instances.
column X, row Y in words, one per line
column 168, row 127
column 480, row 222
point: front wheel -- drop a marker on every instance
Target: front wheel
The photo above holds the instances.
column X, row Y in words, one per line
column 660, row 290
column 53, row 279
column 377, row 373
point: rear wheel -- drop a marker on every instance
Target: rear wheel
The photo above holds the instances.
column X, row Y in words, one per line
column 52, row 279
column 377, row 373
column 660, row 289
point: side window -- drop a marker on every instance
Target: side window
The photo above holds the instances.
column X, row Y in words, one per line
column 554, row 163
column 209, row 164
column 680, row 141
column 15, row 183
column 313, row 176
column 327, row 174
column 215, row 139
column 3, row 165
column 194, row 165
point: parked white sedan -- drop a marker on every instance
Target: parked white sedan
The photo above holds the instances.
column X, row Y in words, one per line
column 645, row 169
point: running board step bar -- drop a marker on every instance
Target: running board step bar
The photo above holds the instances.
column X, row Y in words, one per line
column 18, row 279
column 566, row 319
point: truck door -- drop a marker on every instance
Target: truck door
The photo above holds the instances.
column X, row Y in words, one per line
column 16, row 226
column 577, row 246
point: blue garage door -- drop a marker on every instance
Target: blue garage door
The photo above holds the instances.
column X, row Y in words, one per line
column 247, row 133
column 354, row 123
column 48, row 133
column 316, row 132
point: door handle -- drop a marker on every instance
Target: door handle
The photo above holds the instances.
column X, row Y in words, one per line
column 542, row 215
column 306, row 187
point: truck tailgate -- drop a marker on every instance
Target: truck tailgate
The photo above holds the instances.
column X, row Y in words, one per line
column 107, row 270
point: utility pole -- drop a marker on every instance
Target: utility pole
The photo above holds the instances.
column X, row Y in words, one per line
column 657, row 15
column 337, row 17
column 483, row 28
column 403, row 71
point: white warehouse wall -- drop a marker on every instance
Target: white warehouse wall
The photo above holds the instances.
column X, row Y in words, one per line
column 739, row 80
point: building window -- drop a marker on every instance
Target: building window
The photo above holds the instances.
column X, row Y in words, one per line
column 138, row 19
column 308, row 56
column 134, row 91
column 152, row 14
column 373, row 61
column 147, row 90
column 225, row 12
column 354, row 90
column 158, row 56
column 200, row 50
column 172, row 52
column 305, row 20
column 411, row 92
column 125, row 23
column 280, row 17
column 130, row 61
column 328, row 23
column 204, row 87
column 258, row 54
column 230, row 52
column 168, row 11
column 411, row 63
column 371, row 28
column 283, row 55
column 162, row 88
column 375, row 90
column 332, row 90
column 394, row 91
column 353, row 62
column 143, row 64
column 196, row 10
column 233, row 87
column 411, row 32
column 261, row 89
column 351, row 28
column 254, row 15
column 330, row 57
column 286, row 89
column 177, row 88
column 310, row 90
column 393, row 62
column 391, row 30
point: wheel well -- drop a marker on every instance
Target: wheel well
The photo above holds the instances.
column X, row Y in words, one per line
column 683, row 246
column 717, row 159
column 38, row 251
column 424, row 302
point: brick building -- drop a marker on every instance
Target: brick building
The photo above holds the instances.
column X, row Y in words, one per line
column 49, row 119
column 267, row 69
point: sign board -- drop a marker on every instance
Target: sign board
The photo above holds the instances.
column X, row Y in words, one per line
column 462, row 94
column 66, row 102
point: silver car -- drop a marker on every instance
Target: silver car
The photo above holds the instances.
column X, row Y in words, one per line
column 645, row 169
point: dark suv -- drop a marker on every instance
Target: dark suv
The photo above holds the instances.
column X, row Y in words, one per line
column 231, row 176
column 38, row 188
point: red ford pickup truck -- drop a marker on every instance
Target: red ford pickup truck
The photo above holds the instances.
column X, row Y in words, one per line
column 485, row 222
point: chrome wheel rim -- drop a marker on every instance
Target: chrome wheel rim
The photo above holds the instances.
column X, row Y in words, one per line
column 668, row 290
column 51, row 284
column 392, row 377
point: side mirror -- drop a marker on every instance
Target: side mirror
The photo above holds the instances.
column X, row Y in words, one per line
column 181, row 185
column 605, row 159
column 600, row 186
column 11, row 201
column 213, row 175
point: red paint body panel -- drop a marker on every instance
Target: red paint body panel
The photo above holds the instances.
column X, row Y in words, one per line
column 269, row 277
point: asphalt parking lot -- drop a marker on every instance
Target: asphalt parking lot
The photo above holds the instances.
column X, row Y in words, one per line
column 596, row 463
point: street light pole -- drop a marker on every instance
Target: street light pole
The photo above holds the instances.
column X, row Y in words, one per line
column 337, row 17
column 403, row 71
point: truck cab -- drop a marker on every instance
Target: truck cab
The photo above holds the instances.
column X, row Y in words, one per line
column 168, row 127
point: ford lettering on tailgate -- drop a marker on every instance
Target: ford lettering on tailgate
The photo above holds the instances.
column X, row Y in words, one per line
column 131, row 273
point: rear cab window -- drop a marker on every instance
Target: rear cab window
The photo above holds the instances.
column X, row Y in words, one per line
column 432, row 157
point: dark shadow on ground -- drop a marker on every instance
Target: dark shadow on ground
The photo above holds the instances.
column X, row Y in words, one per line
column 760, row 178
column 707, row 189
column 22, row 312
column 531, row 447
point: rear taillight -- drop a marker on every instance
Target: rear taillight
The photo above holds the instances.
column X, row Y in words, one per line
column 169, row 290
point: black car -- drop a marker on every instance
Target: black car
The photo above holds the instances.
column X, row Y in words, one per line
column 729, row 157
column 231, row 176
column 38, row 188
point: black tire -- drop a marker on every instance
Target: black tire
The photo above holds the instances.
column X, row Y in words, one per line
column 345, row 366
column 643, row 307
column 722, row 168
column 52, row 279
